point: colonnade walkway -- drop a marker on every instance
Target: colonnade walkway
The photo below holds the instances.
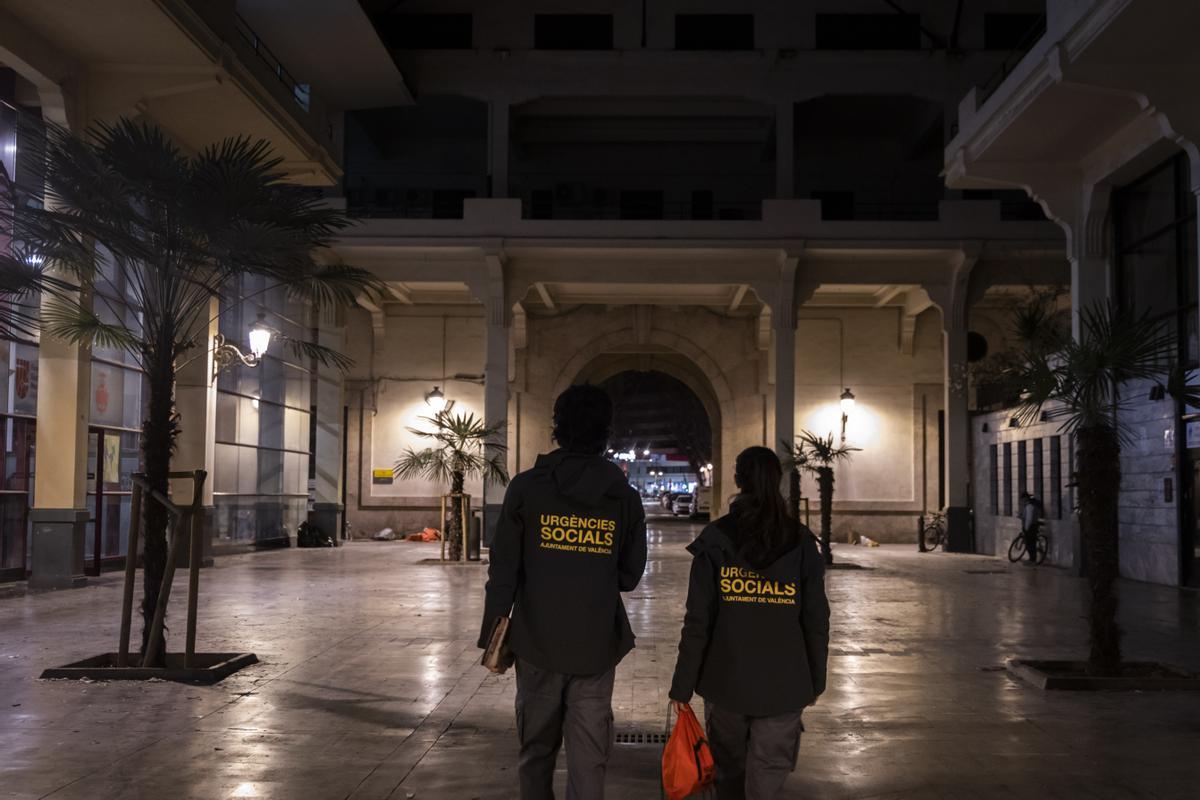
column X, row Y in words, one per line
column 369, row 686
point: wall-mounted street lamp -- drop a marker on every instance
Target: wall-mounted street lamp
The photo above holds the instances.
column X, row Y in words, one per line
column 847, row 403
column 226, row 354
column 436, row 400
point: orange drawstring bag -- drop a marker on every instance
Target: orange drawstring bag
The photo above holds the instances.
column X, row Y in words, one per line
column 687, row 764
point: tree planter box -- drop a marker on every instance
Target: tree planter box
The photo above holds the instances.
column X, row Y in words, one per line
column 1139, row 676
column 208, row 668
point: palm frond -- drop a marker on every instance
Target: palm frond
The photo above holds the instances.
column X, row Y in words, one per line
column 820, row 451
column 78, row 324
column 465, row 445
column 311, row 351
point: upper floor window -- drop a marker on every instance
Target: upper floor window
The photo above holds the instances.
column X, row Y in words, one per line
column 1010, row 31
column 427, row 31
column 868, row 31
column 1155, row 232
column 573, row 31
column 714, row 31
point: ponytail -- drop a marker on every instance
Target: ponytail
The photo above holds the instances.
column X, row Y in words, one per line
column 764, row 524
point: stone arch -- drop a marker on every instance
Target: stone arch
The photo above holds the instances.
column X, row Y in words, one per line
column 672, row 354
column 625, row 340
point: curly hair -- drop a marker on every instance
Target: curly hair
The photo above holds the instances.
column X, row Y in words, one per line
column 583, row 419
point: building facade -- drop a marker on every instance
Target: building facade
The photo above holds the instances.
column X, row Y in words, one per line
column 1095, row 122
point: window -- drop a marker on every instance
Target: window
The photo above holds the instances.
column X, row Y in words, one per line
column 1008, row 480
column 714, row 31
column 702, row 204
column 426, row 31
column 448, row 203
column 1039, row 486
column 835, row 204
column 868, row 32
column 994, row 479
column 1156, row 254
column 541, row 204
column 1022, row 468
column 1011, row 31
column 573, row 31
column 641, row 204
column 1056, row 485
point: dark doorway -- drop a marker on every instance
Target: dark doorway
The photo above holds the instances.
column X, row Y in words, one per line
column 662, row 437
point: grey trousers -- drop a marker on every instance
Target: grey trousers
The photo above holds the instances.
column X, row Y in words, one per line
column 552, row 706
column 753, row 755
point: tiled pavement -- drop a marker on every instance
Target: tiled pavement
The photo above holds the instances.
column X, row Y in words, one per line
column 369, row 687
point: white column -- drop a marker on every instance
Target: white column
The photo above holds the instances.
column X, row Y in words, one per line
column 785, row 150
column 328, row 511
column 498, row 147
column 196, row 404
column 957, row 466
column 59, row 515
column 785, row 385
column 495, row 403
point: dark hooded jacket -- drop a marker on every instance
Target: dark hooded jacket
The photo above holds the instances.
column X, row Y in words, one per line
column 755, row 636
column 571, row 538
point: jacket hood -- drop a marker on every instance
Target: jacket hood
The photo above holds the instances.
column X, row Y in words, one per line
column 582, row 477
column 721, row 536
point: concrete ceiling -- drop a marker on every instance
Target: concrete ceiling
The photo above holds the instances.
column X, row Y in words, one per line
column 332, row 45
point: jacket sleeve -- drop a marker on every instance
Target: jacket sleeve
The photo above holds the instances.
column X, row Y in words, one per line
column 697, row 628
column 632, row 557
column 814, row 613
column 504, row 570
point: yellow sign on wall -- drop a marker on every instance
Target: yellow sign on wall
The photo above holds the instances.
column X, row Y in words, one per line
column 381, row 476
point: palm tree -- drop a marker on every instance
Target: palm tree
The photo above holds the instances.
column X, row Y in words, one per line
column 464, row 447
column 129, row 215
column 1079, row 382
column 819, row 455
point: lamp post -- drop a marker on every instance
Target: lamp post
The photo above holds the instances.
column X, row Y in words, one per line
column 226, row 354
column 847, row 403
column 436, row 400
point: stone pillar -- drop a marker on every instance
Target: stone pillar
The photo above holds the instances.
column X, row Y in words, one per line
column 328, row 511
column 783, row 322
column 495, row 404
column 59, row 515
column 957, row 433
column 195, row 447
column 498, row 147
column 785, row 150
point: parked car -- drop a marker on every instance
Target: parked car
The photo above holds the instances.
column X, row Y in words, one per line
column 703, row 504
column 682, row 505
column 667, row 500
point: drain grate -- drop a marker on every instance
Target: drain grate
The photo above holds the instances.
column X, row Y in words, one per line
column 641, row 737
column 986, row 571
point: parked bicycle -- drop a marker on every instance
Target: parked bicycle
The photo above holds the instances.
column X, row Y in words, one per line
column 1016, row 550
column 935, row 531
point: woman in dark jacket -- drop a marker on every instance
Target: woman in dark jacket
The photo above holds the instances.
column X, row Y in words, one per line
column 756, row 634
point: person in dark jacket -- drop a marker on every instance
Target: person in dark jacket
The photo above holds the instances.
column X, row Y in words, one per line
column 755, row 636
column 571, row 538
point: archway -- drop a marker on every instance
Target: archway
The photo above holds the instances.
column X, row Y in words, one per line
column 666, row 413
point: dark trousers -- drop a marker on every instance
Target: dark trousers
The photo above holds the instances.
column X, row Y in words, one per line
column 552, row 706
column 1031, row 542
column 753, row 755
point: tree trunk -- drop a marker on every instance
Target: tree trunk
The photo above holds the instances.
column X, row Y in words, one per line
column 158, row 442
column 1099, row 478
column 825, row 489
column 454, row 535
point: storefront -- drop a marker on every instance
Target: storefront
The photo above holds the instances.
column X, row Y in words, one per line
column 260, row 488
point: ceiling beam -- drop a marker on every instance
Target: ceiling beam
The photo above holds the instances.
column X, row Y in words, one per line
column 544, row 293
column 738, row 296
column 887, row 294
